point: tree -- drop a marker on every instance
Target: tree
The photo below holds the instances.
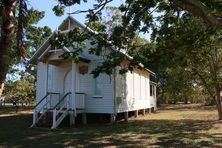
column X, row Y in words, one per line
column 7, row 30
column 138, row 17
column 20, row 91
column 202, row 9
column 8, row 8
column 197, row 52
column 27, row 40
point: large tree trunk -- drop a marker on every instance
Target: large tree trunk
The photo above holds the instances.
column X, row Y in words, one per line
column 218, row 104
column 1, row 89
column 186, row 100
column 219, row 109
column 7, row 31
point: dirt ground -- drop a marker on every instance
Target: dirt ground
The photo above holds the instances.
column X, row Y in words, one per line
column 171, row 126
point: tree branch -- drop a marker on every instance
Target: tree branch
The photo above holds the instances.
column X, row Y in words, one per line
column 203, row 82
column 98, row 8
column 197, row 8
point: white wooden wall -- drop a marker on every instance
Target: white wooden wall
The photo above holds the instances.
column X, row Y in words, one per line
column 135, row 95
column 153, row 99
column 137, row 92
column 58, row 73
column 41, row 85
column 105, row 104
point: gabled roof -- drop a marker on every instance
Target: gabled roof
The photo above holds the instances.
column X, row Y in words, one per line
column 46, row 44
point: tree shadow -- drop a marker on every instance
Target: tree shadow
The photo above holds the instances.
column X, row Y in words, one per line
column 13, row 109
column 182, row 107
column 137, row 133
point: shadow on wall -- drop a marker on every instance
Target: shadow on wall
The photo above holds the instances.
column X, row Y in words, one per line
column 122, row 92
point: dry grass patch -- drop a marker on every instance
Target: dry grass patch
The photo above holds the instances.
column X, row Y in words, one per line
column 174, row 126
column 14, row 111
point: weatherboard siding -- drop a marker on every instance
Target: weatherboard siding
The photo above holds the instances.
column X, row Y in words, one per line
column 137, row 92
column 132, row 95
column 41, row 85
column 97, row 104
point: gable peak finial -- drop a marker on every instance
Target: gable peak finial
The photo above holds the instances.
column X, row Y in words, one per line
column 69, row 15
column 69, row 11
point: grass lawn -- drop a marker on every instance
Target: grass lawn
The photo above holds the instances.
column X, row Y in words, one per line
column 171, row 126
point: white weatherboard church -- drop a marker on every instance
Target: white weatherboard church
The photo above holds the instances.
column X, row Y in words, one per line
column 66, row 88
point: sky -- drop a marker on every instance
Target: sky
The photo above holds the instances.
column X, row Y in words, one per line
column 52, row 20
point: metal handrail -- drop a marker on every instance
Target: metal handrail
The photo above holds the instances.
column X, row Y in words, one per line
column 63, row 98
column 47, row 94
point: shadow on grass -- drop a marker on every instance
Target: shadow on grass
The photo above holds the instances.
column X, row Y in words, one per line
column 14, row 132
column 13, row 109
column 182, row 107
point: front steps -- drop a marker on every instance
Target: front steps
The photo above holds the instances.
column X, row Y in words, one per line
column 46, row 119
column 47, row 115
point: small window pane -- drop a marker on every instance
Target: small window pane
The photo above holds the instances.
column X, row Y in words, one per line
column 50, row 74
column 154, row 90
column 98, row 85
column 151, row 90
column 123, row 84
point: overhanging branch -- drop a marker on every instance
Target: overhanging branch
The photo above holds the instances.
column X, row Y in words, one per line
column 197, row 8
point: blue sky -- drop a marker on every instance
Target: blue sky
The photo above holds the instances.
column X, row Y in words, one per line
column 53, row 21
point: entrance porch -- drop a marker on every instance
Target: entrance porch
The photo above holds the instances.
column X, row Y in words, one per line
column 63, row 96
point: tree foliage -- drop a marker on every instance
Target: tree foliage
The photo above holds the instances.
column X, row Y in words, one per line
column 20, row 91
column 184, row 47
column 33, row 38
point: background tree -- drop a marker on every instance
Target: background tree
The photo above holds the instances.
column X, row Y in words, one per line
column 20, row 91
column 32, row 38
column 168, row 21
column 194, row 47
column 7, row 14
column 20, row 85
column 162, row 18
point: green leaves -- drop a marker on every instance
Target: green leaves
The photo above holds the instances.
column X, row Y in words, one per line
column 92, row 17
column 34, row 16
column 70, row 2
column 73, row 40
column 22, row 90
column 59, row 10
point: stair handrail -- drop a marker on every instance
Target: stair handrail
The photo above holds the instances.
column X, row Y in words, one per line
column 56, row 121
column 47, row 94
column 35, row 113
column 63, row 98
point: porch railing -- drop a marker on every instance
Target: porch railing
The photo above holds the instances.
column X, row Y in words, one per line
column 42, row 106
column 62, row 107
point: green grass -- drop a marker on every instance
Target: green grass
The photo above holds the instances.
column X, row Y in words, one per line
column 174, row 126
